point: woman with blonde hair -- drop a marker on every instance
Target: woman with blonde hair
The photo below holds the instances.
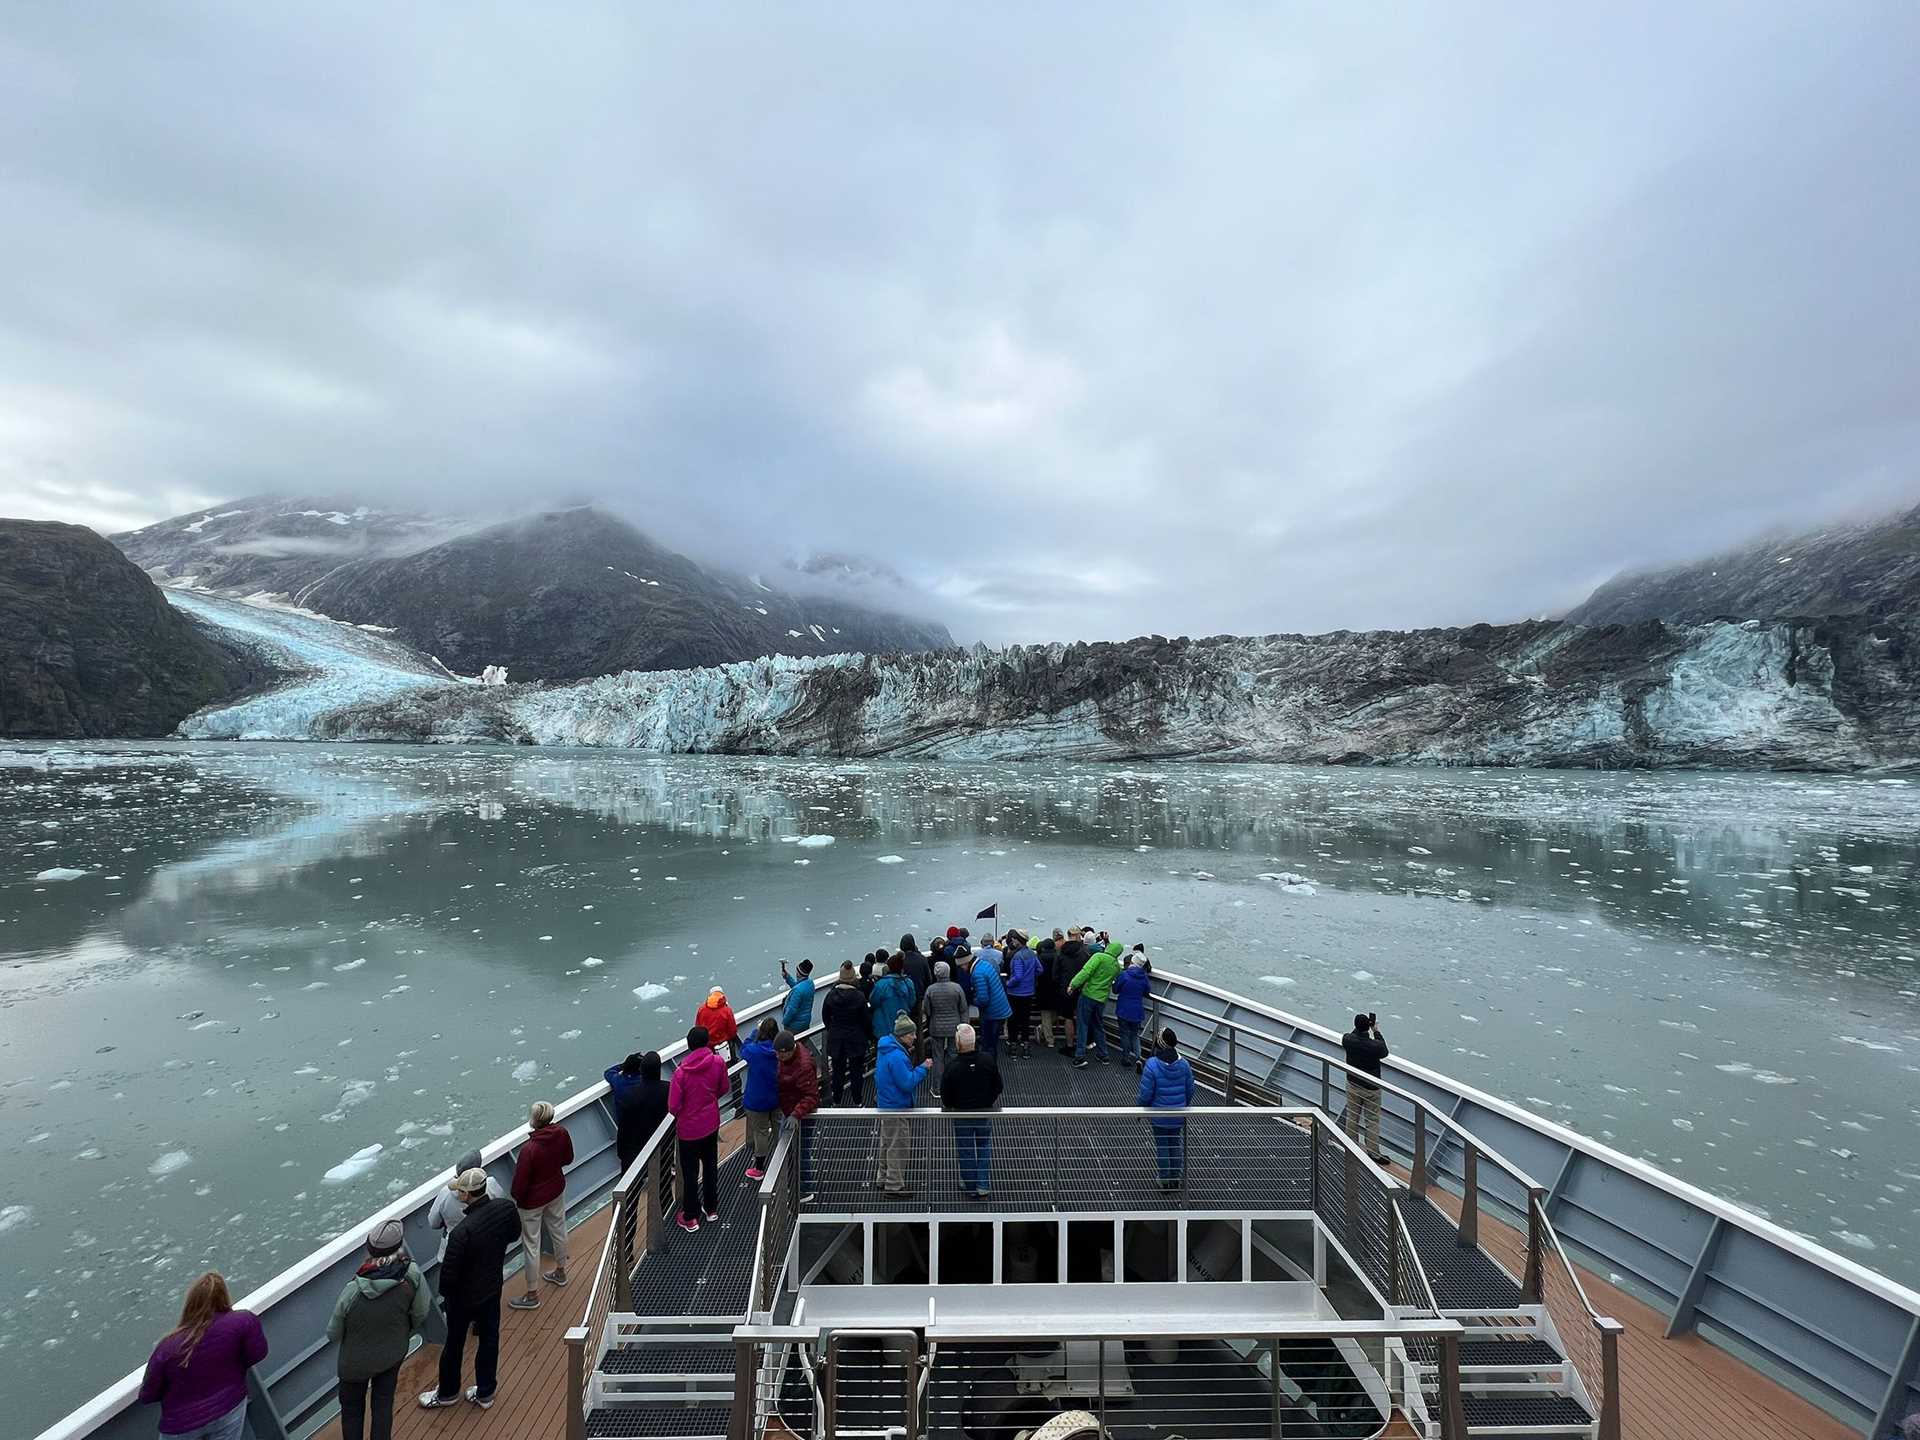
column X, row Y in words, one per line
column 197, row 1374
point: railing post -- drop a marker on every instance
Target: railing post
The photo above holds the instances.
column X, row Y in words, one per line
column 740, row 1423
column 1099, row 1386
column 1393, row 1258
column 1273, row 1374
column 1233, row 1061
column 1419, row 1182
column 1609, row 1377
column 1313, row 1164
column 913, row 1390
column 1470, row 1197
column 1326, row 1085
column 830, row 1390
column 1530, row 1285
column 1453, row 1410
column 623, row 1250
column 576, row 1383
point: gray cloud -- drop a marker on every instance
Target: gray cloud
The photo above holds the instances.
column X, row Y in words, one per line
column 1094, row 321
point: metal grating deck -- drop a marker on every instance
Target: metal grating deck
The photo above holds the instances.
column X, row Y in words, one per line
column 709, row 1272
column 656, row 1420
column 1528, row 1352
column 1462, row 1278
column 707, row 1358
column 1523, row 1411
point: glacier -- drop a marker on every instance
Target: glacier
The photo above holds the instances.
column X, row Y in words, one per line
column 1832, row 695
column 331, row 666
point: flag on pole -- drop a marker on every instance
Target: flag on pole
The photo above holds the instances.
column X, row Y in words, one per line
column 992, row 912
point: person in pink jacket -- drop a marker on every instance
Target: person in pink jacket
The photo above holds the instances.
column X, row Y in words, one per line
column 693, row 1099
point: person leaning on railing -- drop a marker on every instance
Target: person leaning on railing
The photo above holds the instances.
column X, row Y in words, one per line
column 799, row 1082
column 849, row 1023
column 197, row 1374
column 540, row 1190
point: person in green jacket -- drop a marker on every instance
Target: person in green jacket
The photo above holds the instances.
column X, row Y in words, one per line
column 383, row 1307
column 1094, row 985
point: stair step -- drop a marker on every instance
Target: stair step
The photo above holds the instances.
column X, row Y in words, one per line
column 1524, row 1352
column 671, row 1356
column 659, row 1421
column 1527, row 1413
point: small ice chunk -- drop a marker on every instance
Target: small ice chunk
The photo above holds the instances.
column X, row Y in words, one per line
column 649, row 991
column 890, row 859
column 352, row 964
column 354, row 1166
column 60, row 872
column 168, row 1163
column 1363, row 975
column 591, row 961
column 814, row 842
column 1276, row 979
column 1845, row 1237
column 526, row 1071
column 12, row 1217
column 569, row 1035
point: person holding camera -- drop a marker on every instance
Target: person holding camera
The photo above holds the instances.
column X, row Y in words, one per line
column 1366, row 1048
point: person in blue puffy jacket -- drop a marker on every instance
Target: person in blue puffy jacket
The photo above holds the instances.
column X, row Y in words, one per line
column 896, row 1078
column 1167, row 1084
column 893, row 996
column 761, row 1096
column 990, row 995
column 1130, row 988
column 1023, row 981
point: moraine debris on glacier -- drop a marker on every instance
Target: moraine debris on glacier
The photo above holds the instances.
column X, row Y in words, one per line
column 1840, row 694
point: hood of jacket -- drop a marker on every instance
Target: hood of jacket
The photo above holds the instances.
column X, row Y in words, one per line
column 700, row 1062
column 384, row 1278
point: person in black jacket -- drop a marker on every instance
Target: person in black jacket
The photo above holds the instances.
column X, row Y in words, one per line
column 1366, row 1047
column 849, row 1029
column 972, row 1083
column 1068, row 956
column 471, row 1278
column 639, row 1105
column 916, row 967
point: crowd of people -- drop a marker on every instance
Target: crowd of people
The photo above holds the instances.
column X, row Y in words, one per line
column 939, row 1020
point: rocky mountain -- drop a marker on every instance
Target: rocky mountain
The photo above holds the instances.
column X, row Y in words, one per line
column 1839, row 694
column 1865, row 569
column 89, row 646
column 561, row 595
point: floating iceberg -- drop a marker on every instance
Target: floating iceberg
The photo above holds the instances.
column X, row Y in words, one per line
column 354, row 1166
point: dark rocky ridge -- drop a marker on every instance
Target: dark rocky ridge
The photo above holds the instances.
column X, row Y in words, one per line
column 1866, row 569
column 89, row 646
column 562, row 595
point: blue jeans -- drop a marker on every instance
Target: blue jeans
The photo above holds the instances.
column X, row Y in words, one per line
column 1170, row 1147
column 1087, row 1022
column 990, row 1035
column 973, row 1148
column 1130, row 1041
column 230, row 1426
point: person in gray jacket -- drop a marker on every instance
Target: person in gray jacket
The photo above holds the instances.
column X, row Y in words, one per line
column 447, row 1211
column 383, row 1307
column 944, row 1009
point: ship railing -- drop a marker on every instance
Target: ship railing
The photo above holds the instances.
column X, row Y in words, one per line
column 1801, row 1315
column 1245, row 1061
column 1589, row 1340
column 1319, row 1377
column 1241, row 1160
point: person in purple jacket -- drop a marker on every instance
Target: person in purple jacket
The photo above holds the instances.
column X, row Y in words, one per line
column 197, row 1374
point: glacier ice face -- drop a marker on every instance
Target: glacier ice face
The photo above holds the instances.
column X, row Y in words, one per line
column 1824, row 695
column 334, row 667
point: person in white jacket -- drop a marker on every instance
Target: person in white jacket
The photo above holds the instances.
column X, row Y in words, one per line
column 448, row 1209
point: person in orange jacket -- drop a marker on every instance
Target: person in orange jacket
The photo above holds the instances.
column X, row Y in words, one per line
column 716, row 1018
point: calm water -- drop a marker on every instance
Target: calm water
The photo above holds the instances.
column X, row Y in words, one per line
column 279, row 956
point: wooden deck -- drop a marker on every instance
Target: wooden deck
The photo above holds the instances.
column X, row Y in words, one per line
column 1682, row 1389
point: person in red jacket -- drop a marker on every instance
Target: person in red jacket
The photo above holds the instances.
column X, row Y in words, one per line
column 799, row 1098
column 716, row 1018
column 693, row 1099
column 540, row 1191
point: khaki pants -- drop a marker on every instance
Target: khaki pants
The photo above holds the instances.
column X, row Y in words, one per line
column 1363, row 1108
column 896, row 1143
column 554, row 1218
column 938, row 1047
column 762, row 1126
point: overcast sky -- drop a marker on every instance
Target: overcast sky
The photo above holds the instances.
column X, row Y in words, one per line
column 1097, row 320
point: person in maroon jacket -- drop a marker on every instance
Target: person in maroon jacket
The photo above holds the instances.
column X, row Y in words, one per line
column 799, row 1098
column 539, row 1190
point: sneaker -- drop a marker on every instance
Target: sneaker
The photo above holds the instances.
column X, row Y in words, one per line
column 486, row 1402
column 1103, row 1060
column 1081, row 1064
column 555, row 1277
column 687, row 1223
column 1382, row 1161
column 713, row 1217
column 434, row 1400
column 754, row 1172
column 983, row 1194
column 524, row 1302
column 808, row 1198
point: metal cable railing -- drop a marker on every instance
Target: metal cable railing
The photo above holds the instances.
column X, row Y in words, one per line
column 1589, row 1340
column 1412, row 1289
column 779, row 1206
